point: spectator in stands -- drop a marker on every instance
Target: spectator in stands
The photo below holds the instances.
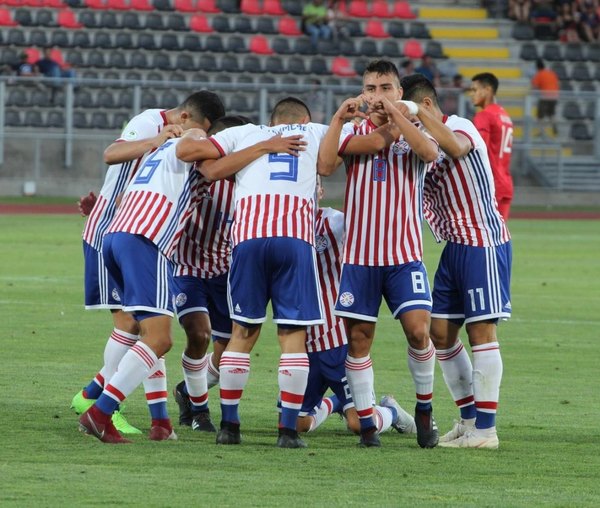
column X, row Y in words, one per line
column 589, row 21
column 519, row 10
column 543, row 11
column 336, row 20
column 315, row 21
column 567, row 21
column 429, row 70
column 24, row 68
column 546, row 81
column 51, row 68
column 407, row 67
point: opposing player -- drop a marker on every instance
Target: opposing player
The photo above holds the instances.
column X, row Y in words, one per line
column 327, row 345
column 472, row 283
column 273, row 256
column 136, row 249
column 496, row 129
column 383, row 248
column 142, row 135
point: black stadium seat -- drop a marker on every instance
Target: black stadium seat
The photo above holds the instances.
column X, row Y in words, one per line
column 123, row 40
column 170, row 42
column 38, row 39
column 192, row 42
column 237, row 44
column 60, row 38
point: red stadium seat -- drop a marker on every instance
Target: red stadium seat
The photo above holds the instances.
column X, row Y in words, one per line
column 185, row 5
column 32, row 3
column 57, row 56
column 359, row 9
column 259, row 44
column 380, row 9
column 66, row 18
column 208, row 6
column 413, row 49
column 199, row 23
column 375, row 29
column 55, row 4
column 341, row 66
column 117, row 5
column 403, row 10
column 273, row 8
column 33, row 55
column 288, row 26
column 141, row 5
column 6, row 18
column 96, row 4
column 251, row 7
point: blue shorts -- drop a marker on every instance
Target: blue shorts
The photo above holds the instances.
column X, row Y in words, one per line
column 193, row 294
column 404, row 287
column 282, row 270
column 473, row 283
column 327, row 370
column 100, row 289
column 141, row 273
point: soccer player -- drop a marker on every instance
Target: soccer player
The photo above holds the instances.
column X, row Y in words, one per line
column 472, row 282
column 142, row 135
column 327, row 344
column 201, row 266
column 273, row 255
column 383, row 248
column 136, row 250
column 496, row 129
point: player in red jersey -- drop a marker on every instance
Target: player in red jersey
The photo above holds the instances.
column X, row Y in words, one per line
column 383, row 251
column 496, row 129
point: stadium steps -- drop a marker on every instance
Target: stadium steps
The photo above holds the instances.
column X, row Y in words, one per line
column 427, row 13
column 580, row 173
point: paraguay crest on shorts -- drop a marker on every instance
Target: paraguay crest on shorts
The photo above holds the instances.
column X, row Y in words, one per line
column 346, row 299
column 115, row 295
column 321, row 243
column 180, row 299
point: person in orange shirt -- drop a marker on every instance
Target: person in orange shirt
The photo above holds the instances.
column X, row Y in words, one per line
column 546, row 81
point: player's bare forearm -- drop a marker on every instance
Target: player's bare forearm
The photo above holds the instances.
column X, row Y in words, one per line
column 374, row 142
column 124, row 151
column 196, row 148
column 328, row 159
column 454, row 145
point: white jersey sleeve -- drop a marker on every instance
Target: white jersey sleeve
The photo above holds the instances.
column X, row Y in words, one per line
column 143, row 126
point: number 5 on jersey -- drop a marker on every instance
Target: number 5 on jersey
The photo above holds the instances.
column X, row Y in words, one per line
column 283, row 158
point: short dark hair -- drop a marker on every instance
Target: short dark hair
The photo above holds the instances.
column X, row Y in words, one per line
column 203, row 104
column 416, row 87
column 227, row 121
column 380, row 67
column 487, row 79
column 289, row 110
column 539, row 64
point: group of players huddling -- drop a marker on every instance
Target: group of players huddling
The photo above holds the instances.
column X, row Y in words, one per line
column 209, row 218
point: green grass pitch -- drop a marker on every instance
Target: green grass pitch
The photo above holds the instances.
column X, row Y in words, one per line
column 548, row 417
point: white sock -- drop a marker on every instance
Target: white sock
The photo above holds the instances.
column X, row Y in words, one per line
column 421, row 363
column 117, row 345
column 194, row 374
column 155, row 385
column 322, row 412
column 383, row 418
column 487, row 375
column 212, row 372
column 359, row 372
column 135, row 366
column 458, row 373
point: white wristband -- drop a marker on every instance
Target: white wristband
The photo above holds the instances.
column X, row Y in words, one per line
column 413, row 107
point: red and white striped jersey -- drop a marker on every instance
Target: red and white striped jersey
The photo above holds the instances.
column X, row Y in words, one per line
column 459, row 201
column 160, row 199
column 329, row 232
column 275, row 194
column 383, row 203
column 145, row 125
column 205, row 247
